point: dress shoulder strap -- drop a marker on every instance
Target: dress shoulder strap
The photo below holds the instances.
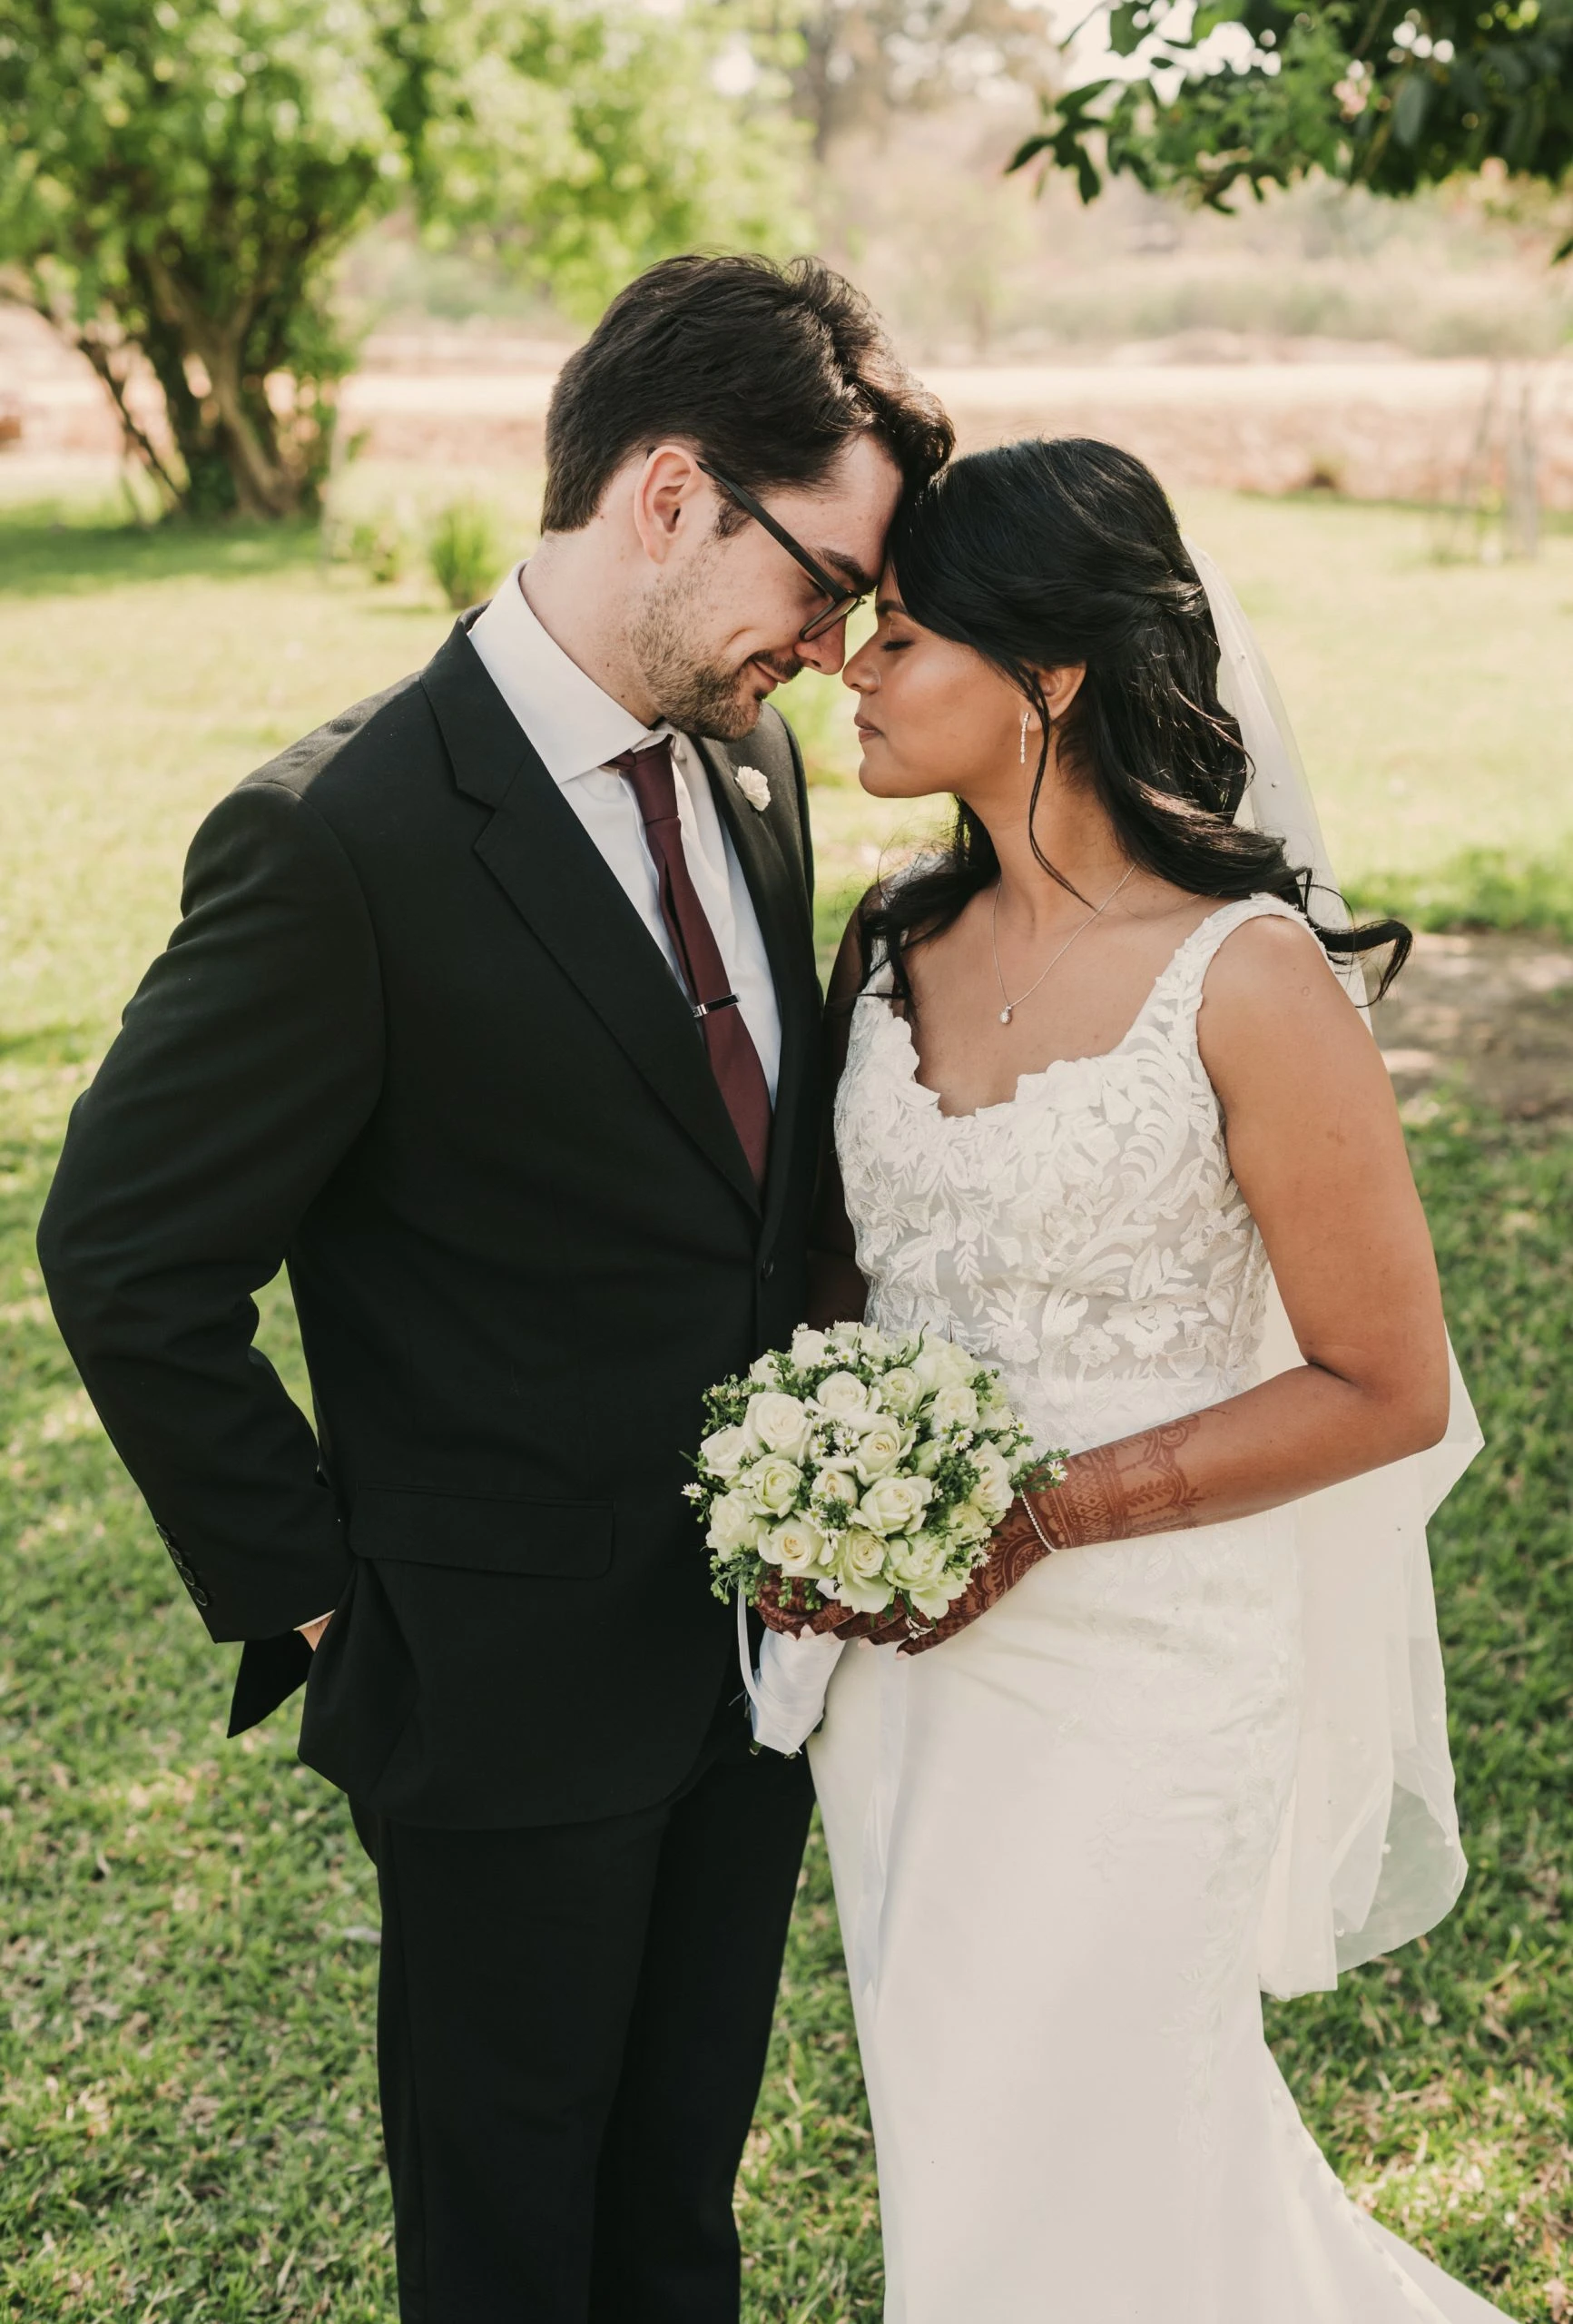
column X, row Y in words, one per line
column 879, row 983
column 1182, row 978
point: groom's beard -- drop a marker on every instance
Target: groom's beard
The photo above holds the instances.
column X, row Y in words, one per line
column 695, row 696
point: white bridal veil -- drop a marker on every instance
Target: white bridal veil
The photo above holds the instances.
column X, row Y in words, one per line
column 1370, row 1855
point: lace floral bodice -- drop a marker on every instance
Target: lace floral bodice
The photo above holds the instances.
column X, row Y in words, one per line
column 1085, row 1235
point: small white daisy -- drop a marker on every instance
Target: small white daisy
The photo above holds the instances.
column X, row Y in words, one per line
column 754, row 787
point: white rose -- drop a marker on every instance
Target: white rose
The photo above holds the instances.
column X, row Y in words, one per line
column 797, row 1546
column 994, row 1398
column 860, row 1572
column 895, row 1504
column 842, row 1396
column 735, row 1523
column 835, row 1483
column 901, row 1389
column 879, row 1450
column 808, row 1348
column 954, row 1406
column 778, row 1423
column 993, row 1493
column 936, row 1599
column 725, row 1453
column 918, row 1563
column 773, row 1484
column 967, row 1526
column 762, row 1370
column 928, row 1457
column 874, row 1343
column 856, row 1425
column 940, row 1364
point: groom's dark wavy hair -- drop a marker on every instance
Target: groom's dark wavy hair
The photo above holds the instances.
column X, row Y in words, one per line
column 771, row 369
column 1062, row 550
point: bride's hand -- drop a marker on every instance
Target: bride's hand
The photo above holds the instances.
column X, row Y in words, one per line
column 779, row 1611
column 1015, row 1548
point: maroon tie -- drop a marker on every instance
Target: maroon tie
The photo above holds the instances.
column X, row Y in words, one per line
column 733, row 1060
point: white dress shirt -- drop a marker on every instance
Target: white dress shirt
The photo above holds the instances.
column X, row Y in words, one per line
column 575, row 729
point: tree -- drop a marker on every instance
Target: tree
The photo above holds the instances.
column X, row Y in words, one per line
column 1372, row 92
column 179, row 178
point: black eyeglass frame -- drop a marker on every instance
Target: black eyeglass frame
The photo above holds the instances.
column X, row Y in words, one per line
column 842, row 599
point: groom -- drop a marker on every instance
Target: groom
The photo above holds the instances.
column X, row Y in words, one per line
column 492, row 1014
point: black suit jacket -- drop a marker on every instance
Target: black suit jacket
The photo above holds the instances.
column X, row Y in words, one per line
column 411, row 1038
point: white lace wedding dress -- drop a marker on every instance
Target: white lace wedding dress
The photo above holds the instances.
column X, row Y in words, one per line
column 1050, row 1836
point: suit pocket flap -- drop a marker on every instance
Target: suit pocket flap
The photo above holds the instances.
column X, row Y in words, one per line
column 480, row 1535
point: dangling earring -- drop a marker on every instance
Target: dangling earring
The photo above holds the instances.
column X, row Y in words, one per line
column 1024, row 716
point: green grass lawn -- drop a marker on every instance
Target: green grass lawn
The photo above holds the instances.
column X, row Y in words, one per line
column 187, row 1949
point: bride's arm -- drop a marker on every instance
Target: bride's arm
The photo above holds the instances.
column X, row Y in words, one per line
column 837, row 1292
column 1317, row 1150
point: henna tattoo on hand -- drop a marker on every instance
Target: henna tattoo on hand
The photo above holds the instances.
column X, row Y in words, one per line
column 1015, row 1548
column 786, row 1605
column 1113, row 1493
column 1118, row 1491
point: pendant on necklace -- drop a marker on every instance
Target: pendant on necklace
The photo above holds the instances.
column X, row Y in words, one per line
column 1005, row 1015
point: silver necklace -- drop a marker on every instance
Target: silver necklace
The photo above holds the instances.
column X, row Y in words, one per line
column 1010, row 1008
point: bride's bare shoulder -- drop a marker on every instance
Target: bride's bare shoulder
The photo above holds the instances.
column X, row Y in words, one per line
column 1270, row 954
column 1271, row 1006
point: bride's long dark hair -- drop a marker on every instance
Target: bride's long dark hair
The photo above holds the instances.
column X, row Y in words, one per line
column 1062, row 550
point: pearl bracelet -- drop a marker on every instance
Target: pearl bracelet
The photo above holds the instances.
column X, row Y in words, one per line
column 1048, row 1546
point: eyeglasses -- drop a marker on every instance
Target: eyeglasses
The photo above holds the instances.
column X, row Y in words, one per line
column 841, row 599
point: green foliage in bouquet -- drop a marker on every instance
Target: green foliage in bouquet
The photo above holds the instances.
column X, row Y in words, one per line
column 865, row 1470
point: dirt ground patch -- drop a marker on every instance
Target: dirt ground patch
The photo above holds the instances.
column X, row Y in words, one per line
column 1355, row 420
column 1491, row 1013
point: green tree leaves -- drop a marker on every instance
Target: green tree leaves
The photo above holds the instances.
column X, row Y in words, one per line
column 1372, row 92
column 179, row 180
column 576, row 145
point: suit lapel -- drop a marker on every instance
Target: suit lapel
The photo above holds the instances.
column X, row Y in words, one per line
column 556, row 878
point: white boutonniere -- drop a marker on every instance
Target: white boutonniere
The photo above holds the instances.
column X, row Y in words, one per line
column 754, row 787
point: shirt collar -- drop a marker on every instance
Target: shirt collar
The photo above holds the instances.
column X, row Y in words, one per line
column 575, row 724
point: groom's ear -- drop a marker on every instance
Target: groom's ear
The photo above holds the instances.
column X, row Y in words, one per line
column 672, row 502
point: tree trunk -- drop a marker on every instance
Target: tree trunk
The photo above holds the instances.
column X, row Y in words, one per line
column 107, row 348
column 244, row 433
column 210, row 485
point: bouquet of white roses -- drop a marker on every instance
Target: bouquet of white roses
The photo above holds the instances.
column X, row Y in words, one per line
column 861, row 1468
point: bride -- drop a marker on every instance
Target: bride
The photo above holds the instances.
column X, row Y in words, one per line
column 1104, row 1108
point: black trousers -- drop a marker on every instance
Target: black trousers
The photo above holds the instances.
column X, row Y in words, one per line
column 571, row 2029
